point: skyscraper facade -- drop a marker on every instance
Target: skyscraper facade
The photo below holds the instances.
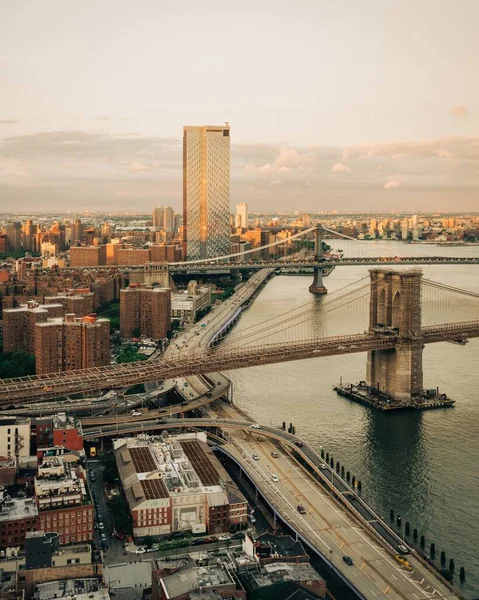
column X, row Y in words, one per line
column 206, row 191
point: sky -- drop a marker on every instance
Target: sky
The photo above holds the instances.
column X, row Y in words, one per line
column 344, row 105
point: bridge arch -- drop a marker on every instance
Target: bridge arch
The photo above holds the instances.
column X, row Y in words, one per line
column 396, row 310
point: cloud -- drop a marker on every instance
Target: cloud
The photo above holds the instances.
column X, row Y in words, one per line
column 340, row 168
column 459, row 111
column 445, row 154
column 138, row 167
column 275, row 182
column 391, row 185
column 8, row 121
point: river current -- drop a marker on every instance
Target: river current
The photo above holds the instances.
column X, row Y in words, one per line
column 424, row 465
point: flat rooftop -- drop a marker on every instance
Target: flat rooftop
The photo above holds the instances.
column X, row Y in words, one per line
column 73, row 589
column 18, row 508
column 192, row 577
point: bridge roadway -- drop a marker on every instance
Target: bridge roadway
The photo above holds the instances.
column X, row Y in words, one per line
column 334, row 511
column 344, row 261
column 197, row 361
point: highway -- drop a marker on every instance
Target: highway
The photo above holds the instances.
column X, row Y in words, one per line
column 336, row 518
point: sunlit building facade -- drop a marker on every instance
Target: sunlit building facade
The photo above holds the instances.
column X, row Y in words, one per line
column 206, row 191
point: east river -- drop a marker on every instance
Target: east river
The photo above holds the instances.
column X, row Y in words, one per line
column 424, row 465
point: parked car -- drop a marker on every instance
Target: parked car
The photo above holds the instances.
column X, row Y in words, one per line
column 198, row 542
column 140, row 550
column 176, row 535
column 224, row 537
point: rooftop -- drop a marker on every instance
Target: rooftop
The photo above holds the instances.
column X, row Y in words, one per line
column 73, row 589
column 18, row 508
column 192, row 577
column 157, row 467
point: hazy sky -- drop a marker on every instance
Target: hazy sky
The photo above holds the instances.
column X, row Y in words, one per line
column 345, row 104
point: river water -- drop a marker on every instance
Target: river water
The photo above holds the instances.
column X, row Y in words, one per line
column 424, row 465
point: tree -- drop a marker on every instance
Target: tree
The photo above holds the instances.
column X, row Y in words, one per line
column 16, row 364
column 136, row 332
column 148, row 541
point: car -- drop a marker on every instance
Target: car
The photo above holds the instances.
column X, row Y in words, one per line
column 404, row 549
column 177, row 535
column 198, row 542
column 252, row 519
column 348, row 560
column 274, row 454
column 274, row 477
column 103, row 537
column 209, row 540
column 299, row 444
column 136, row 413
column 224, row 538
column 140, row 550
column 255, row 426
column 301, row 509
column 99, row 515
column 255, row 457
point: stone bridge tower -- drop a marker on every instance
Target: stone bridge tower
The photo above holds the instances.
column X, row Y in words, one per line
column 317, row 287
column 395, row 309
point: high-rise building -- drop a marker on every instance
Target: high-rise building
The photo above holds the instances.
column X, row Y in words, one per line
column 169, row 219
column 242, row 215
column 158, row 217
column 87, row 256
column 206, row 191
column 146, row 310
column 72, row 343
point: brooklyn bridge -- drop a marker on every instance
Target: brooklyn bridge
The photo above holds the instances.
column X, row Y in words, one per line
column 405, row 310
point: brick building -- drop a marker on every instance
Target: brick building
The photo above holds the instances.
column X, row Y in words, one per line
column 17, row 517
column 147, row 309
column 65, row 433
column 196, row 494
column 19, row 324
column 72, row 343
column 132, row 256
column 64, row 505
column 87, row 256
column 77, row 302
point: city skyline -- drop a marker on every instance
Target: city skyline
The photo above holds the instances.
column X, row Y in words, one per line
column 330, row 107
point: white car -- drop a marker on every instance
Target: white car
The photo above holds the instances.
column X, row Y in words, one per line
column 136, row 413
column 140, row 551
column 274, row 477
column 255, row 426
column 224, row 537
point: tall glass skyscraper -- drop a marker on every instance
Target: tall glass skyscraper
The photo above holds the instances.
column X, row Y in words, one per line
column 206, row 191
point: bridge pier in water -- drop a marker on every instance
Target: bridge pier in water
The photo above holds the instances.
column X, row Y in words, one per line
column 317, row 287
column 395, row 309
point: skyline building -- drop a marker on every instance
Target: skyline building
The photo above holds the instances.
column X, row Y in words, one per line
column 242, row 215
column 206, row 191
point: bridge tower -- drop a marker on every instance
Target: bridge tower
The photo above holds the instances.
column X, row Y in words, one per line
column 395, row 309
column 317, row 287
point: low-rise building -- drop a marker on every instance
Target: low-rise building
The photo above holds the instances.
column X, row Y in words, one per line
column 176, row 484
column 8, row 470
column 64, row 505
column 14, row 436
column 65, row 433
column 196, row 582
column 185, row 305
column 72, row 589
column 17, row 517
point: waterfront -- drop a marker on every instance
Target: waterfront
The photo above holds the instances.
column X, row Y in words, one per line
column 424, row 465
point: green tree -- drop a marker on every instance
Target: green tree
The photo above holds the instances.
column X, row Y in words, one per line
column 129, row 354
column 16, row 364
column 148, row 541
